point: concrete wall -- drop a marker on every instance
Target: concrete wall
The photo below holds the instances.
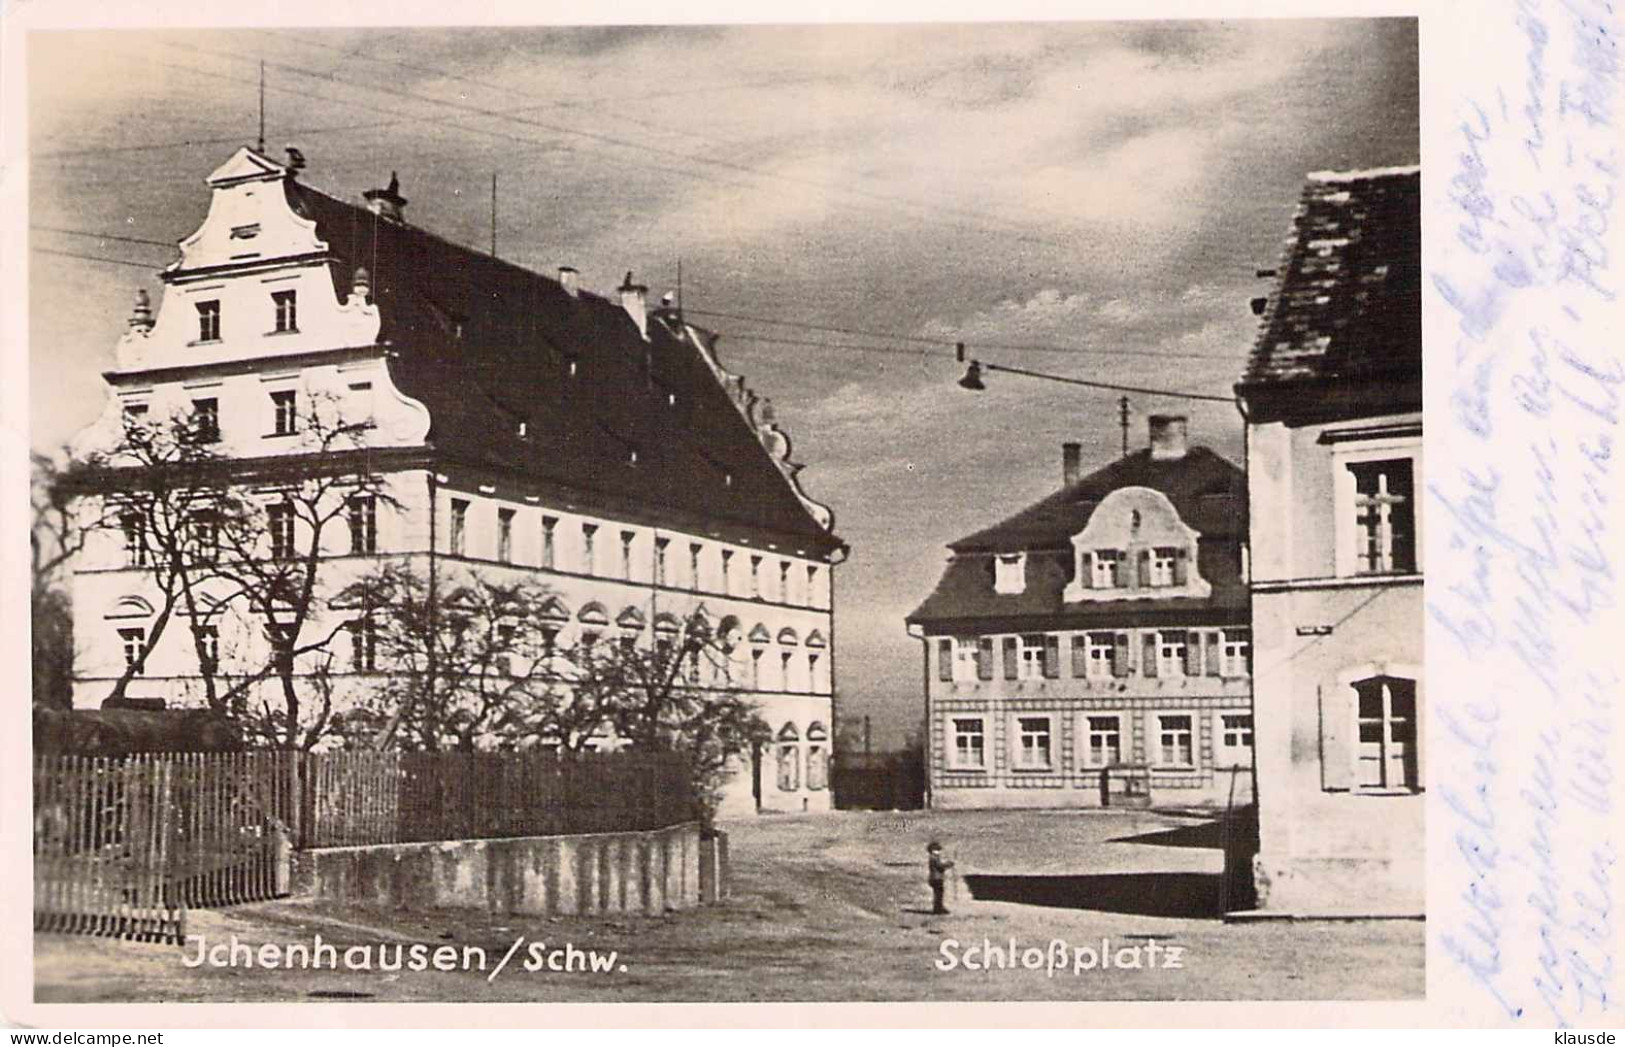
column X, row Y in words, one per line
column 647, row 872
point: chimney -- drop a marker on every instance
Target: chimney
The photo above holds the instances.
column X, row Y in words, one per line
column 633, row 300
column 570, row 280
column 387, row 203
column 1071, row 463
column 1168, row 437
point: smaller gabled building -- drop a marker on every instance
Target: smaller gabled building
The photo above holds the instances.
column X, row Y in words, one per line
column 1093, row 649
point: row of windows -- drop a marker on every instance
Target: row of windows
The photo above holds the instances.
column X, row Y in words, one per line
column 796, row 672
column 284, row 315
column 1100, row 743
column 201, row 540
column 1159, row 567
column 204, row 421
column 603, row 551
column 1097, row 655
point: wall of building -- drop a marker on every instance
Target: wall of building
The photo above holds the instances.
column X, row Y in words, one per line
column 1327, row 844
column 1216, row 775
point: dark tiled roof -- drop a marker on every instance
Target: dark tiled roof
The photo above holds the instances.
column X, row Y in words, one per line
column 1210, row 495
column 1348, row 304
column 486, row 344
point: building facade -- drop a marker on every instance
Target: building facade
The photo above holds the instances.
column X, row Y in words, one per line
column 1333, row 403
column 510, row 424
column 1094, row 649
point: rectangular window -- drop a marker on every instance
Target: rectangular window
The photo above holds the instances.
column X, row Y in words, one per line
column 756, row 669
column 813, row 599
column 966, row 658
column 285, row 408
column 458, row 537
column 727, row 571
column 135, row 648
column 505, row 535
column 550, row 527
column 1104, row 741
column 287, row 310
column 135, row 414
column 1171, row 652
column 627, row 538
column 1108, row 569
column 755, row 577
column 1032, row 657
column 279, row 522
column 1384, row 517
column 1010, row 573
column 945, row 660
column 1237, row 653
column 208, row 321
column 814, row 684
column 206, row 420
column 786, row 678
column 1163, row 559
column 1102, row 655
column 363, row 645
column 589, row 548
column 1387, row 733
column 134, row 526
column 784, row 581
column 362, row 515
column 661, row 547
column 969, row 743
column 1236, row 730
column 1032, row 743
column 208, row 648
column 694, row 550
column 203, row 536
column 1175, row 741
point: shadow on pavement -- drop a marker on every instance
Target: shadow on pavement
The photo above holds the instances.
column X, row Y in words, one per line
column 1190, row 895
column 1207, row 834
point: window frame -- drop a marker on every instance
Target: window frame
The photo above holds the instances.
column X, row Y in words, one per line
column 1347, row 533
column 1106, row 568
column 1226, row 754
column 208, row 320
column 951, row 724
column 206, row 419
column 361, row 520
column 1019, row 733
column 1411, row 761
column 281, row 528
column 1009, row 573
column 1162, row 763
column 457, row 527
column 1090, row 647
column 1175, row 639
column 135, row 658
column 505, row 520
column 1233, row 665
column 1030, row 656
column 1086, row 732
column 284, row 412
column 285, row 305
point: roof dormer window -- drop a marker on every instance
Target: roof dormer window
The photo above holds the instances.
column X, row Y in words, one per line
column 1010, row 572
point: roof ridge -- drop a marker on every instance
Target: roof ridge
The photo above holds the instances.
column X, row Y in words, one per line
column 1363, row 174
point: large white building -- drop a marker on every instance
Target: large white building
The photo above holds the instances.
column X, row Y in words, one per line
column 516, row 423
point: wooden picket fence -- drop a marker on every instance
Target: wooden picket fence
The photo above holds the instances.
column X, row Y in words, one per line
column 376, row 798
column 124, row 846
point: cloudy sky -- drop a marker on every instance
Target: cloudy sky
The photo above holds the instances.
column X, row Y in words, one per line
column 1086, row 199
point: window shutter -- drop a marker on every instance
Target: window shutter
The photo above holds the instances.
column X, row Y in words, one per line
column 1080, row 654
column 1052, row 656
column 1336, row 738
column 1086, row 570
column 945, row 660
column 1120, row 655
column 1145, row 568
column 1182, row 564
column 1215, row 654
column 984, row 658
column 1010, row 658
column 1148, row 655
column 1193, row 654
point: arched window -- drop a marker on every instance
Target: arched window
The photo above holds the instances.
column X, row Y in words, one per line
column 788, row 636
column 594, row 614
column 817, row 756
column 789, row 758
